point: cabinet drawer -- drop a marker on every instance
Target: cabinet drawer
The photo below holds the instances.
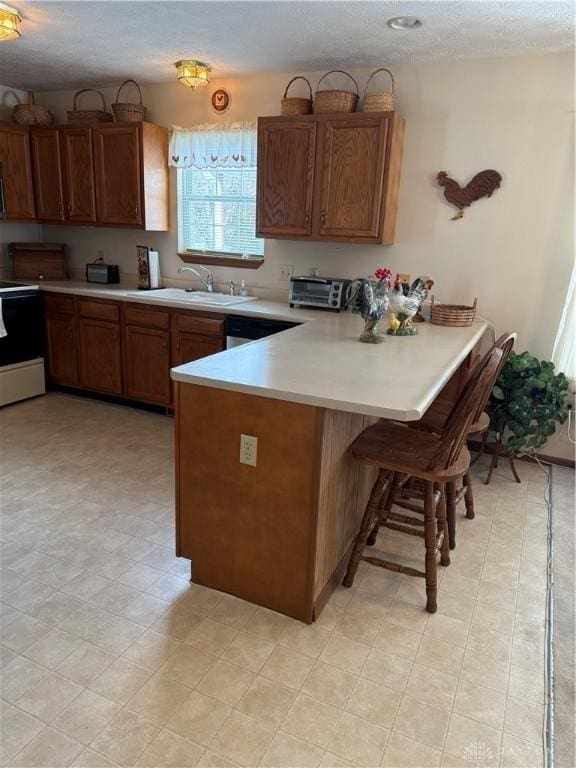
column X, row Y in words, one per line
column 193, row 324
column 98, row 310
column 56, row 302
column 146, row 318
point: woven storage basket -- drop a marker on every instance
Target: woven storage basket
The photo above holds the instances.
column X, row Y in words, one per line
column 326, row 102
column 452, row 314
column 31, row 114
column 379, row 101
column 296, row 105
column 125, row 112
column 85, row 116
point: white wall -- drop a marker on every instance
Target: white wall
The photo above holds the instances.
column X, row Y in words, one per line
column 12, row 233
column 513, row 251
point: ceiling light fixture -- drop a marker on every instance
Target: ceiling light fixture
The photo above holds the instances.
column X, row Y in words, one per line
column 404, row 22
column 193, row 73
column 10, row 21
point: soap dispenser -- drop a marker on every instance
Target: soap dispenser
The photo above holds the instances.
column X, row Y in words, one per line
column 243, row 289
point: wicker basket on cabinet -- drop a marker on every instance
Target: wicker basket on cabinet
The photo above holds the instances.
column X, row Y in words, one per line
column 31, row 113
column 296, row 105
column 326, row 102
column 87, row 116
column 379, row 101
column 126, row 112
column 456, row 315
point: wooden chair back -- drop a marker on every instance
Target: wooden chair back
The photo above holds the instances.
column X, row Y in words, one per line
column 505, row 343
column 476, row 390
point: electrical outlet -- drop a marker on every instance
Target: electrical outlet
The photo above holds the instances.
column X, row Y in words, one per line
column 404, row 277
column 248, row 450
column 100, row 254
column 286, row 272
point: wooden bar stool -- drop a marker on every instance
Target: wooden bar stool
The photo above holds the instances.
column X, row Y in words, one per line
column 435, row 459
column 434, row 420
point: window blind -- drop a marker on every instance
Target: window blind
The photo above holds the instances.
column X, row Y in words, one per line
column 217, row 210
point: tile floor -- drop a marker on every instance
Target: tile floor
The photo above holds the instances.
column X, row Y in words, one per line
column 111, row 657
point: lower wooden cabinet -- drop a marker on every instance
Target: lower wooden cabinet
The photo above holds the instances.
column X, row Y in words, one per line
column 147, row 364
column 189, row 346
column 61, row 346
column 100, row 356
column 123, row 349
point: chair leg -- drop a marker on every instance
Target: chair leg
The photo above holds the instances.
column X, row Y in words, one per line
column 370, row 514
column 383, row 513
column 451, row 513
column 442, row 525
column 430, row 541
column 469, row 496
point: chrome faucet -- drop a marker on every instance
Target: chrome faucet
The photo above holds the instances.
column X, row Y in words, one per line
column 232, row 285
column 207, row 281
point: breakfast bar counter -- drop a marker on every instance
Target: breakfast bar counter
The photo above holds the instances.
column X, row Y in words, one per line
column 278, row 531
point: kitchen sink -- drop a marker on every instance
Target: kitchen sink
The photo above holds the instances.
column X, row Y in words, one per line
column 192, row 297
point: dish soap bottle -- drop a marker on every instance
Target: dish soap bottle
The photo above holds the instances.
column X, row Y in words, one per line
column 243, row 289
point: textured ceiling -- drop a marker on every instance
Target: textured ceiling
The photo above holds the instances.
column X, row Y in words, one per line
column 74, row 44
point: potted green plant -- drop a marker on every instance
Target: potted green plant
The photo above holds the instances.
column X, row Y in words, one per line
column 527, row 402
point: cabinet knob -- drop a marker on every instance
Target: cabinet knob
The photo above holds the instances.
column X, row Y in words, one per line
column 136, row 210
column 323, row 217
column 307, row 219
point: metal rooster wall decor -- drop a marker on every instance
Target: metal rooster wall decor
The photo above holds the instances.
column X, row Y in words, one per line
column 482, row 185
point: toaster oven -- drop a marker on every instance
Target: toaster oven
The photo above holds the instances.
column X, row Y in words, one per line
column 102, row 273
column 321, row 292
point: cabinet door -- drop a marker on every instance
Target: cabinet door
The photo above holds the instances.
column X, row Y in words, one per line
column 16, row 173
column 190, row 346
column 47, row 174
column 78, row 173
column 286, row 152
column 118, row 174
column 353, row 162
column 147, row 364
column 100, row 356
column 61, row 355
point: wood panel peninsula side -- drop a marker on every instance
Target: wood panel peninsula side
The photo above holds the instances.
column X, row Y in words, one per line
column 279, row 533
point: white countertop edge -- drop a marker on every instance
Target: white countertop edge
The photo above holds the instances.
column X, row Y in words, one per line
column 302, row 399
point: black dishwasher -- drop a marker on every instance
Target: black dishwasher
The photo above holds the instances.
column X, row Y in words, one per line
column 241, row 330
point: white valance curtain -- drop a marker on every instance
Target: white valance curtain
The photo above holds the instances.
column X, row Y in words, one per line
column 220, row 145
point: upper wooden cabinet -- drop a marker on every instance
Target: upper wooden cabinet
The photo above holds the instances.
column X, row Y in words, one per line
column 329, row 177
column 286, row 152
column 118, row 174
column 16, row 187
column 48, row 188
column 106, row 174
column 77, row 163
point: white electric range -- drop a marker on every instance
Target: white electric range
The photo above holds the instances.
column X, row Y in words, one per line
column 21, row 362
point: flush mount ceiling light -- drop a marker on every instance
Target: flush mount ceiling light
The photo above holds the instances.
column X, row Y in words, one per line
column 404, row 22
column 193, row 73
column 10, row 21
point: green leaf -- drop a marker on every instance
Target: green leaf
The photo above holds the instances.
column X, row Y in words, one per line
column 498, row 393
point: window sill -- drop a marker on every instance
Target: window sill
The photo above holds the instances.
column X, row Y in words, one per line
column 223, row 260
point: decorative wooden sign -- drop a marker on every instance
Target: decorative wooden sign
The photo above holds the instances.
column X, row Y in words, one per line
column 221, row 100
column 482, row 185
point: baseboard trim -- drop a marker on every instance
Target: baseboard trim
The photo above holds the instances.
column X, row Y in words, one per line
column 475, row 445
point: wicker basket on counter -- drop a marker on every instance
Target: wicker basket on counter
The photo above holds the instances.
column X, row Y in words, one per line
column 126, row 112
column 379, row 101
column 327, row 102
column 31, row 113
column 456, row 315
column 86, row 116
column 296, row 105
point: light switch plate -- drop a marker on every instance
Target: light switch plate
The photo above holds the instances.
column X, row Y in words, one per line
column 248, row 450
column 286, row 272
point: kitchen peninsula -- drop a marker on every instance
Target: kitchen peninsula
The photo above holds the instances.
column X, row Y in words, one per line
column 277, row 531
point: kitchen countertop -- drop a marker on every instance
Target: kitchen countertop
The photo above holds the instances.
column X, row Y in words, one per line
column 273, row 310
column 321, row 362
